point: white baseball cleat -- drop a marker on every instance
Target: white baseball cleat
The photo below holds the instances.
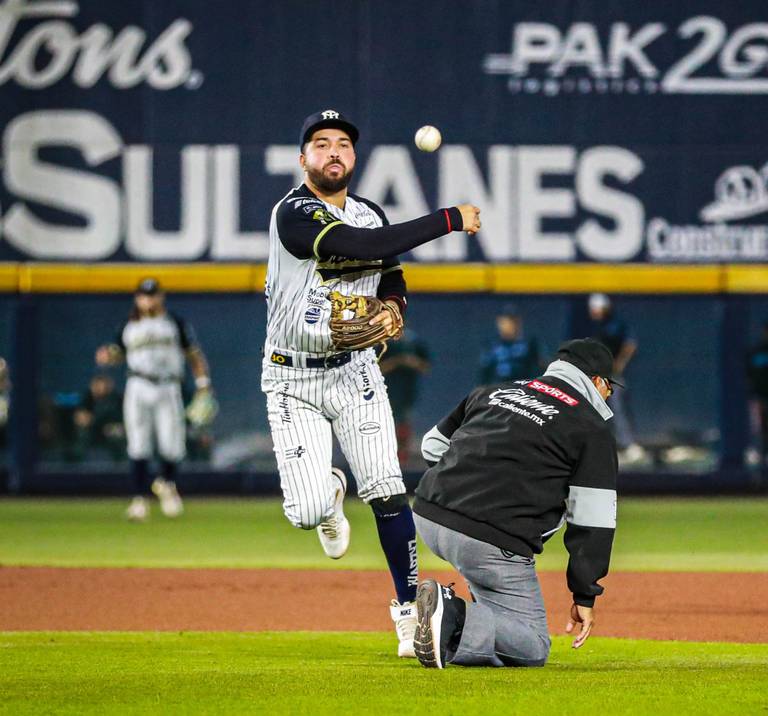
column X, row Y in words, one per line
column 170, row 502
column 138, row 510
column 404, row 616
column 334, row 531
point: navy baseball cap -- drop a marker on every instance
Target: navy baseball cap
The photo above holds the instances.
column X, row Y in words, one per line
column 589, row 356
column 148, row 286
column 322, row 120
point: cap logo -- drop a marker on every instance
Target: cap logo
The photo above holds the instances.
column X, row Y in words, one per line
column 330, row 114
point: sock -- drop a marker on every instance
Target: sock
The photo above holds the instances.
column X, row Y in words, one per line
column 397, row 535
column 140, row 474
column 168, row 470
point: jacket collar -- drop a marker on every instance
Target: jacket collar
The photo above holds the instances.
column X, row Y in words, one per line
column 578, row 379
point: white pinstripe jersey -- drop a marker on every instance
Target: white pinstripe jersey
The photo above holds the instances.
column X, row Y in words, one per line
column 155, row 346
column 297, row 287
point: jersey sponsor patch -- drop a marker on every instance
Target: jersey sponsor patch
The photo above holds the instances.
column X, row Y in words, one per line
column 517, row 401
column 554, row 392
column 369, row 428
column 295, row 453
column 324, row 216
column 312, row 314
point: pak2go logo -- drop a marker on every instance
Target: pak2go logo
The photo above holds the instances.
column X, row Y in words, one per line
column 711, row 59
column 741, row 192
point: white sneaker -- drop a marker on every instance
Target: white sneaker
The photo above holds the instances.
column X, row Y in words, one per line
column 138, row 510
column 334, row 532
column 170, row 502
column 404, row 616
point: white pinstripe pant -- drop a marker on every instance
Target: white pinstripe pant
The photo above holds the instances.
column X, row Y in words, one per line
column 306, row 406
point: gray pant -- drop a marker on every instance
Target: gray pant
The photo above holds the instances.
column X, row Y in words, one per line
column 506, row 625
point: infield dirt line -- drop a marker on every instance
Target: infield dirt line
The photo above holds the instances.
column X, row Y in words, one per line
column 698, row 606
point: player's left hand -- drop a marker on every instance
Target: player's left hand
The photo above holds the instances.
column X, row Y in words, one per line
column 584, row 616
column 203, row 408
column 387, row 319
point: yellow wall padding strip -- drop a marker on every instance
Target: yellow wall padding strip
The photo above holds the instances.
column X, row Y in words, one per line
column 421, row 278
column 100, row 278
column 448, row 278
column 9, row 277
column 746, row 278
column 609, row 278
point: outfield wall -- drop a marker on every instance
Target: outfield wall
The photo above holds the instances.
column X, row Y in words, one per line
column 687, row 385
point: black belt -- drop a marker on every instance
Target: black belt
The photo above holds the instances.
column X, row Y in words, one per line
column 153, row 378
column 332, row 361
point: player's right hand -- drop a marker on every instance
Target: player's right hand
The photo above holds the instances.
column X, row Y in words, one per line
column 470, row 217
column 584, row 616
column 107, row 355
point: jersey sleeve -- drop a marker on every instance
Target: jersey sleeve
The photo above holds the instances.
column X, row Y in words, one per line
column 118, row 339
column 392, row 284
column 308, row 230
column 591, row 516
column 187, row 336
column 437, row 441
column 302, row 222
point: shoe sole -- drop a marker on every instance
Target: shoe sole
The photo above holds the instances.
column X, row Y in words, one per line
column 429, row 610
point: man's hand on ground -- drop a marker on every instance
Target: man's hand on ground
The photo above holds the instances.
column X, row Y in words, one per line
column 584, row 616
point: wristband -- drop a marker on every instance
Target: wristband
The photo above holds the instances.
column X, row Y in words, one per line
column 202, row 382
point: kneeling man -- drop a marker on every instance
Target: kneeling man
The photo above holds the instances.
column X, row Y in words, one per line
column 510, row 465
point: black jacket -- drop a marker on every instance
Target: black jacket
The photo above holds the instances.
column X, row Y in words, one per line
column 518, row 459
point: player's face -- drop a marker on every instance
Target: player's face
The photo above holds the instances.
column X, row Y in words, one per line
column 508, row 327
column 603, row 385
column 329, row 160
column 150, row 304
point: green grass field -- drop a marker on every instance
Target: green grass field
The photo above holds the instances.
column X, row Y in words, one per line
column 333, row 673
column 670, row 534
column 351, row 673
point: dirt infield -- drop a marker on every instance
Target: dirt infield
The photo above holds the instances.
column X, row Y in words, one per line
column 656, row 605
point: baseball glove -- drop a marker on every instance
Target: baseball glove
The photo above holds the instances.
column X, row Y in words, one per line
column 350, row 321
column 202, row 409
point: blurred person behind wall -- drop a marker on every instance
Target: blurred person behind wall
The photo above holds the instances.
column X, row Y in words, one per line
column 513, row 355
column 611, row 330
column 757, row 378
column 403, row 365
column 98, row 419
column 5, row 403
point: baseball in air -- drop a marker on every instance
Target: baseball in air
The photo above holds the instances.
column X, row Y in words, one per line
column 428, row 138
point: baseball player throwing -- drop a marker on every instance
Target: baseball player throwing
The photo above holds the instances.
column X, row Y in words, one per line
column 154, row 344
column 334, row 287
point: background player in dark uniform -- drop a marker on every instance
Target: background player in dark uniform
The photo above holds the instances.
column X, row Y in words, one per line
column 513, row 355
column 403, row 365
column 612, row 331
column 757, row 376
column 510, row 465
column 155, row 345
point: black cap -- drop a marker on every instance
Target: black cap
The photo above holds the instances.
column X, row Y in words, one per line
column 589, row 356
column 148, row 286
column 324, row 119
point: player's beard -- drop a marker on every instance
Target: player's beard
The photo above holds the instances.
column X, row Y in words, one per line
column 325, row 183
